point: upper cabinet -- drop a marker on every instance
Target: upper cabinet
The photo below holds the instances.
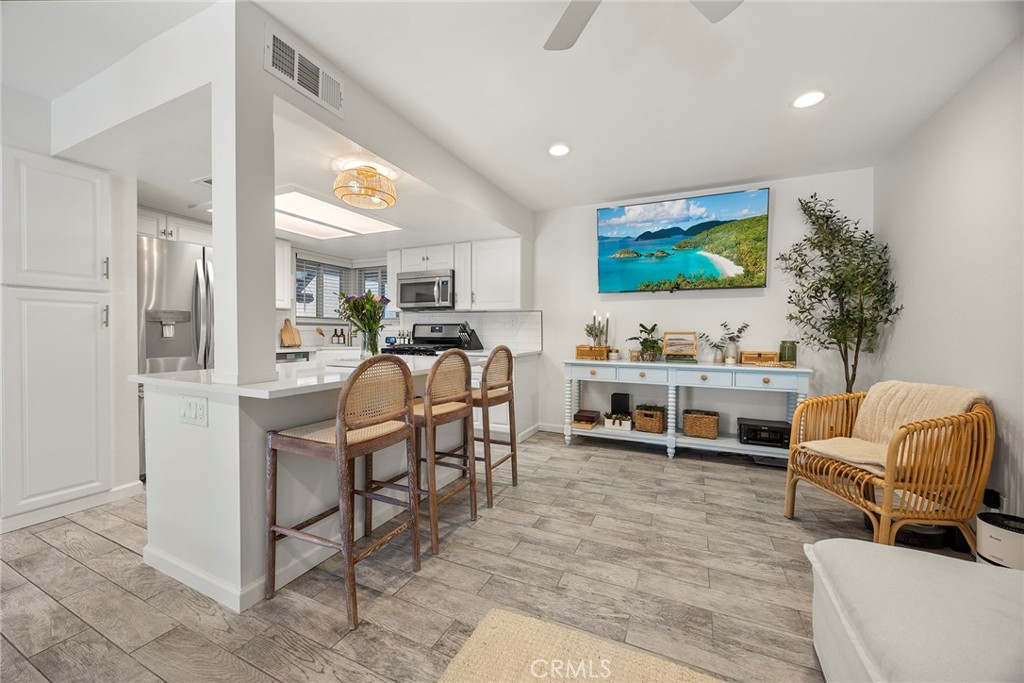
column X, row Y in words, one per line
column 394, row 267
column 284, row 274
column 501, row 275
column 436, row 257
column 167, row 226
column 463, row 276
column 56, row 223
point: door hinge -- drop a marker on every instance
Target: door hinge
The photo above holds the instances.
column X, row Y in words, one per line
column 106, row 267
column 105, row 316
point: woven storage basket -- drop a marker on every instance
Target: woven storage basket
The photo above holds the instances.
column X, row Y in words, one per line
column 584, row 352
column 649, row 421
column 702, row 424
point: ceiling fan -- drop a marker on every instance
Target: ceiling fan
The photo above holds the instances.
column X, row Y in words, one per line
column 568, row 29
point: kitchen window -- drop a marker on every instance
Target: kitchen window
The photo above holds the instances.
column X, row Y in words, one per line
column 318, row 284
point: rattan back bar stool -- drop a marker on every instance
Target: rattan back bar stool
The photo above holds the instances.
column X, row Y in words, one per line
column 374, row 412
column 447, row 398
column 496, row 389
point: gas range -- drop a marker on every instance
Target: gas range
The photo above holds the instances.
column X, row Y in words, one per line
column 417, row 349
column 433, row 340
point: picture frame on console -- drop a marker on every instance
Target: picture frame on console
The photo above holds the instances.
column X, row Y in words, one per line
column 680, row 346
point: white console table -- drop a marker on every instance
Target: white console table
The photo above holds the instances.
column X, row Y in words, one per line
column 791, row 381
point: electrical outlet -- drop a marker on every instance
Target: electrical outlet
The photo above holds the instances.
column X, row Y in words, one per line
column 193, row 410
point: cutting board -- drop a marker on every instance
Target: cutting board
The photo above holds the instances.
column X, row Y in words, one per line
column 289, row 335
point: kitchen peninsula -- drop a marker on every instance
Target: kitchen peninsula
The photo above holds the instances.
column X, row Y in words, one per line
column 206, row 497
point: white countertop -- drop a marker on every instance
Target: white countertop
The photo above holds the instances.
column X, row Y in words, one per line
column 291, row 380
column 341, row 347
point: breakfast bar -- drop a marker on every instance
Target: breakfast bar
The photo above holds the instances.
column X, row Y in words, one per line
column 205, row 445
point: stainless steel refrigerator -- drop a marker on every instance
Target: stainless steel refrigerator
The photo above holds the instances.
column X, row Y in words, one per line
column 175, row 312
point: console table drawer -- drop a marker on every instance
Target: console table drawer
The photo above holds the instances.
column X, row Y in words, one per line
column 641, row 375
column 702, row 378
column 593, row 372
column 767, row 380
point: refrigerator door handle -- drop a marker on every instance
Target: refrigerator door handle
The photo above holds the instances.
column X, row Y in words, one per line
column 199, row 313
column 208, row 360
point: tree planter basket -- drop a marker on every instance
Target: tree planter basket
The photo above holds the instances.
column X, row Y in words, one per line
column 649, row 420
column 701, row 424
column 584, row 352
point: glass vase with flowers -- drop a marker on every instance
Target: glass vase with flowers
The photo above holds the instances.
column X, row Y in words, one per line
column 366, row 315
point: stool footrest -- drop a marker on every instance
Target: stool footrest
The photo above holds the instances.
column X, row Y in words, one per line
column 381, row 499
column 493, row 441
column 387, row 484
column 404, row 526
column 295, row 533
column 312, row 520
column 495, row 463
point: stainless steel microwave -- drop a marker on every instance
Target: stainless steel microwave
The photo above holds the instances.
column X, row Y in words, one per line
column 426, row 289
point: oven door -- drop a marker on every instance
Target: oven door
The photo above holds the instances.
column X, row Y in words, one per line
column 424, row 291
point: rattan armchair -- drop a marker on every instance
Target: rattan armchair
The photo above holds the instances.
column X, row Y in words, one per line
column 930, row 469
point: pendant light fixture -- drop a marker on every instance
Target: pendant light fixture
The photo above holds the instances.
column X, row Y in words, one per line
column 364, row 187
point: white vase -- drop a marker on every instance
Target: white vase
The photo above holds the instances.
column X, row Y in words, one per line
column 719, row 356
column 732, row 353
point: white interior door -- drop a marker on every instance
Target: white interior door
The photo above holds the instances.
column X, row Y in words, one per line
column 56, row 397
column 56, row 230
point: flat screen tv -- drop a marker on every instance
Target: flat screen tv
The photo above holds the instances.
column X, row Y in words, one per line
column 714, row 241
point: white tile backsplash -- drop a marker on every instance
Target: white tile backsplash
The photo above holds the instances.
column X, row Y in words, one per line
column 518, row 330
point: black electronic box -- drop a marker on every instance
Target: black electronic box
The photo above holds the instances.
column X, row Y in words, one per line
column 772, row 433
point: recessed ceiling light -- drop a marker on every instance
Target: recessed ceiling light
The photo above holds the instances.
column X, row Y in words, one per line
column 559, row 149
column 809, row 99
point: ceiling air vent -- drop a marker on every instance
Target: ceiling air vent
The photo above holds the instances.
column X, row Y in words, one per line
column 298, row 66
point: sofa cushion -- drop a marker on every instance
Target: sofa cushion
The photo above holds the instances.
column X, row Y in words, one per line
column 866, row 455
column 910, row 615
column 891, row 404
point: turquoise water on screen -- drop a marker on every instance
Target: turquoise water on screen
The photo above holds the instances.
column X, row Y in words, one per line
column 626, row 274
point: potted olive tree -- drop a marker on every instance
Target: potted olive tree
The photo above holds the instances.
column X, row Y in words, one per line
column 843, row 294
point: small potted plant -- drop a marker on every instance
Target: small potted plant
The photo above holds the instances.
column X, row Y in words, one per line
column 726, row 347
column 618, row 421
column 650, row 343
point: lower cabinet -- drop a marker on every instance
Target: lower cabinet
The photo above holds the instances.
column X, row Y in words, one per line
column 56, row 397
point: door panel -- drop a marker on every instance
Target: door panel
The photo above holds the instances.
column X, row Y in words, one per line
column 56, row 397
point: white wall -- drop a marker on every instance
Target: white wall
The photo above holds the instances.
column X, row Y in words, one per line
column 949, row 202
column 26, row 121
column 566, row 291
column 124, row 327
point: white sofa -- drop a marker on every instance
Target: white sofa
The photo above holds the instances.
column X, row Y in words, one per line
column 884, row 613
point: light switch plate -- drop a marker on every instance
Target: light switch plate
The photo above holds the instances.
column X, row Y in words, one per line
column 193, row 410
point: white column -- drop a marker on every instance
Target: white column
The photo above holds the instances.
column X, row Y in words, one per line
column 567, row 428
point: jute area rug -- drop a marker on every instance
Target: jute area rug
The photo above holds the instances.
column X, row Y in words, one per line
column 507, row 647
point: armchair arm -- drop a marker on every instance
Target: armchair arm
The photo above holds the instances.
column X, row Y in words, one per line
column 942, row 465
column 824, row 417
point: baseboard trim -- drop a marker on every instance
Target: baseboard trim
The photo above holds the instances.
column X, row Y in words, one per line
column 551, row 427
column 24, row 519
column 193, row 577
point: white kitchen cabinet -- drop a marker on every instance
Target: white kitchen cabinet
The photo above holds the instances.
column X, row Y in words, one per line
column 152, row 223
column 284, row 274
column 56, row 223
column 463, row 265
column 56, row 397
column 498, row 282
column 187, row 230
column 394, row 267
column 167, row 226
column 435, row 257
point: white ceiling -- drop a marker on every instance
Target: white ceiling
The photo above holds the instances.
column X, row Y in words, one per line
column 653, row 98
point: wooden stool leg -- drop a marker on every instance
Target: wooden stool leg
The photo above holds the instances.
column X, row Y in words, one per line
column 345, row 506
column 486, row 419
column 435, row 541
column 512, row 436
column 469, row 450
column 412, row 457
column 271, row 555
column 367, row 501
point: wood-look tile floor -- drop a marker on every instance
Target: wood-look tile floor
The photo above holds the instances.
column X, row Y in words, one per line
column 690, row 559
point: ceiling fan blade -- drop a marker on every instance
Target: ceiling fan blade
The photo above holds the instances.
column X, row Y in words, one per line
column 716, row 10
column 570, row 26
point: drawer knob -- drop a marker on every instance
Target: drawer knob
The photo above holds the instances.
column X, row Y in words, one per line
column 703, row 378
column 643, row 374
column 767, row 380
column 593, row 372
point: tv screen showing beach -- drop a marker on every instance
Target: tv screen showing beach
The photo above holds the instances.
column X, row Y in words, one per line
column 710, row 242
